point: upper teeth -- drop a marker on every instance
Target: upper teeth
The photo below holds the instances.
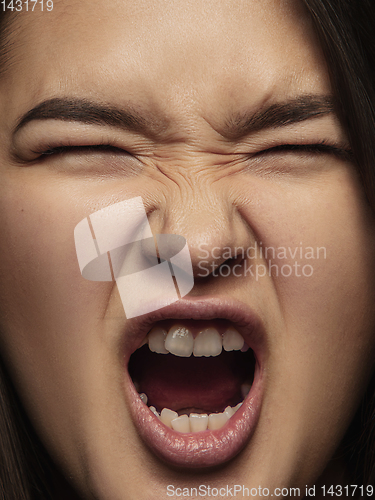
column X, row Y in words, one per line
column 156, row 339
column 208, row 343
column 180, row 341
column 232, row 340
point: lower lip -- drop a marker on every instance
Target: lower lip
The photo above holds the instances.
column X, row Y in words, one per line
column 198, row 449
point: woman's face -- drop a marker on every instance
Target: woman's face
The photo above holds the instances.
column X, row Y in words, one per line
column 222, row 118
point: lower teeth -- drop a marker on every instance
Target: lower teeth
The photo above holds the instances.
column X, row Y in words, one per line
column 194, row 422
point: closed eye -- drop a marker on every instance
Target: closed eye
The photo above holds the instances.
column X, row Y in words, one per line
column 96, row 148
column 313, row 149
column 95, row 159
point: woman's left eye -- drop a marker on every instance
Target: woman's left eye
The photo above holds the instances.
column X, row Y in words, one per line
column 297, row 159
column 312, row 149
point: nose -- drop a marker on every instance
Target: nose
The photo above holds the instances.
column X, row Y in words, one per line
column 214, row 229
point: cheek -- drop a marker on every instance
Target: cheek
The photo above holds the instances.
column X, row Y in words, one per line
column 37, row 248
column 328, row 228
column 44, row 302
column 320, row 239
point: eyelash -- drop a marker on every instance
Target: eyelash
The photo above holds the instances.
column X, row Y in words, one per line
column 317, row 148
column 65, row 149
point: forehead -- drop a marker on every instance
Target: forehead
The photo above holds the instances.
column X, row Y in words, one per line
column 212, row 55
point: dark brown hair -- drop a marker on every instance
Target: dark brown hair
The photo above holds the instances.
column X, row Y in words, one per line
column 345, row 29
column 24, row 468
column 346, row 32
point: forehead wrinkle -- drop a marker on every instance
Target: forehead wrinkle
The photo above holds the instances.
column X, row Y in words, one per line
column 10, row 41
column 16, row 26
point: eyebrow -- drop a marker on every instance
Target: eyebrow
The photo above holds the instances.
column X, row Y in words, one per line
column 91, row 113
column 296, row 110
column 276, row 115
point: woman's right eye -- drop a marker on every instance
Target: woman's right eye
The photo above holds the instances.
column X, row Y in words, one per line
column 96, row 159
column 96, row 148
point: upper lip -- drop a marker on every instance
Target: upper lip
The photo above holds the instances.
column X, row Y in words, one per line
column 242, row 317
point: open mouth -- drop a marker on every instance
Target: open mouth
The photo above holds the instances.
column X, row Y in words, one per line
column 193, row 375
column 196, row 383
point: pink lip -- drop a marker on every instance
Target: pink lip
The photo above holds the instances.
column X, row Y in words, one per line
column 208, row 448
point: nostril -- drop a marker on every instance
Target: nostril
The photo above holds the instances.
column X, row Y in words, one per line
column 230, row 263
column 234, row 260
column 206, row 269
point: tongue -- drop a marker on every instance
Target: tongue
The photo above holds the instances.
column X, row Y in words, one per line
column 206, row 384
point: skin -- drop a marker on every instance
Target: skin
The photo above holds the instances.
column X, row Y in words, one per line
column 190, row 67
